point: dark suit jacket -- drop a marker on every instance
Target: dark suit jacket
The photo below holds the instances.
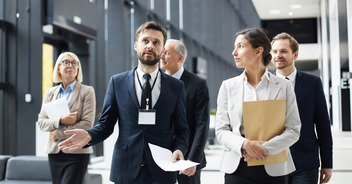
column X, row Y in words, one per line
column 197, row 111
column 171, row 130
column 314, row 116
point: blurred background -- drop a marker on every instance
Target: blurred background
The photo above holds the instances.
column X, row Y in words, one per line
column 102, row 32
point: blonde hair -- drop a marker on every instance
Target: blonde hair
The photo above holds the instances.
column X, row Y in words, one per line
column 57, row 77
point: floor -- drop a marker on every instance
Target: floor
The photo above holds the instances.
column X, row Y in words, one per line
column 342, row 173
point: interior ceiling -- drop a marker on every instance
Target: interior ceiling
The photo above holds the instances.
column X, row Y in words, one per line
column 290, row 9
column 286, row 9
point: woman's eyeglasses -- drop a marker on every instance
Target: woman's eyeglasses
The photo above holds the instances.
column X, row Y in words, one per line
column 67, row 63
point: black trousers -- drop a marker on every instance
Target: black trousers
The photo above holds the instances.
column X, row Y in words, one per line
column 252, row 175
column 184, row 179
column 68, row 168
column 145, row 176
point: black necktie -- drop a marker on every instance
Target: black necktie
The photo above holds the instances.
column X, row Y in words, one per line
column 146, row 92
column 287, row 78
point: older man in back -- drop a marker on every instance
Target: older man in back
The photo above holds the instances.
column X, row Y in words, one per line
column 197, row 107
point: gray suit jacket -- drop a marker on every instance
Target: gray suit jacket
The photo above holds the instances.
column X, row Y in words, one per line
column 229, row 121
column 81, row 100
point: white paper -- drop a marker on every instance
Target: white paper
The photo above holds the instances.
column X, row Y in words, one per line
column 57, row 108
column 163, row 158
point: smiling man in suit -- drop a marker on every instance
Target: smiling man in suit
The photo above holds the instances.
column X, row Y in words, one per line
column 197, row 108
column 315, row 134
column 149, row 107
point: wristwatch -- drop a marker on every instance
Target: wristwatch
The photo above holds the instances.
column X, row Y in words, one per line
column 243, row 152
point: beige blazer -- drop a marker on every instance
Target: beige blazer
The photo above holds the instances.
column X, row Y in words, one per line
column 229, row 121
column 82, row 100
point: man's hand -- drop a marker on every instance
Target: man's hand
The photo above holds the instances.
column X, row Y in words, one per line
column 177, row 155
column 254, row 149
column 189, row 172
column 325, row 175
column 79, row 139
column 53, row 135
column 69, row 119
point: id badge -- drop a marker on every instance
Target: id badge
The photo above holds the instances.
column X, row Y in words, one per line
column 146, row 117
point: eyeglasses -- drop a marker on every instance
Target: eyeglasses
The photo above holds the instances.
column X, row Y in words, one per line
column 67, row 63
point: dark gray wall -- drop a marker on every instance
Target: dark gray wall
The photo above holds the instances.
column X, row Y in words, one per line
column 23, row 65
column 208, row 32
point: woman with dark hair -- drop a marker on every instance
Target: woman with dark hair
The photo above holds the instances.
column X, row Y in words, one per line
column 252, row 52
column 68, row 166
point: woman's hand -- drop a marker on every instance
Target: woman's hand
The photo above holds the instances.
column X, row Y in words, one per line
column 69, row 119
column 53, row 135
column 254, row 150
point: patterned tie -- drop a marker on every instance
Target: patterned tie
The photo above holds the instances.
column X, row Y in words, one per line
column 146, row 92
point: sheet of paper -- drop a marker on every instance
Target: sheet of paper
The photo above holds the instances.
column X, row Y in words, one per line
column 262, row 121
column 163, row 158
column 56, row 108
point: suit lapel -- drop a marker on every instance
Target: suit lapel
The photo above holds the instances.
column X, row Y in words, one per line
column 185, row 75
column 274, row 87
column 130, row 86
column 74, row 94
column 55, row 93
column 164, row 85
column 237, row 94
column 299, row 83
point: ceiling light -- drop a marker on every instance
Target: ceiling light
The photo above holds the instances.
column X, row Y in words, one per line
column 296, row 6
column 290, row 13
column 275, row 12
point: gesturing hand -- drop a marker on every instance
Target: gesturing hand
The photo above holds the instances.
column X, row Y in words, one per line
column 79, row 139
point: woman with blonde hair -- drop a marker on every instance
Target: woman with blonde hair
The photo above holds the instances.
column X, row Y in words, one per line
column 68, row 166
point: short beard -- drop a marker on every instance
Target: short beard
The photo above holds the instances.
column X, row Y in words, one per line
column 148, row 61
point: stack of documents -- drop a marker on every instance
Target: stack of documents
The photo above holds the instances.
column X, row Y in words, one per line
column 163, row 158
column 57, row 108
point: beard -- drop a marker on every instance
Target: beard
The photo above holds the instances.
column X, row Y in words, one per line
column 147, row 60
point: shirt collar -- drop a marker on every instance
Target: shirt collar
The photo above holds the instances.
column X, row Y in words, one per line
column 291, row 77
column 152, row 75
column 265, row 75
column 69, row 87
column 179, row 73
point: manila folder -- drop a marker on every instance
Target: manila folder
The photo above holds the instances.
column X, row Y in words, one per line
column 264, row 120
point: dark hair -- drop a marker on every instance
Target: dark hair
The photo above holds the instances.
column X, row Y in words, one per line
column 283, row 36
column 258, row 38
column 151, row 25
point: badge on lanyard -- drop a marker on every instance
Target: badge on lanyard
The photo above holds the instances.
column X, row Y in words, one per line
column 146, row 116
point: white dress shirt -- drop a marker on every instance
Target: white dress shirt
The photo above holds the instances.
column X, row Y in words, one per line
column 155, row 89
column 259, row 93
column 178, row 74
column 291, row 77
